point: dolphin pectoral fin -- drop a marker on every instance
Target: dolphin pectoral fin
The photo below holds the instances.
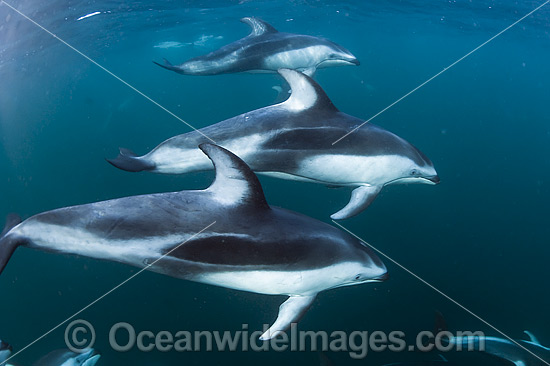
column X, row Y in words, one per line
column 127, row 160
column 7, row 244
column 361, row 198
column 290, row 312
column 532, row 337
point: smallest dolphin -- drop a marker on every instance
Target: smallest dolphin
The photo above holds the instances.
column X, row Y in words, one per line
column 517, row 352
column 267, row 50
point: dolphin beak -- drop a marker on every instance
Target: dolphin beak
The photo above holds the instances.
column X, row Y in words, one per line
column 382, row 278
column 354, row 61
column 92, row 360
column 435, row 179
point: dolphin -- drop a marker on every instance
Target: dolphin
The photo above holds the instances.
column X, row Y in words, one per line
column 267, row 50
column 226, row 235
column 527, row 353
column 5, row 351
column 64, row 357
column 294, row 140
column 522, row 353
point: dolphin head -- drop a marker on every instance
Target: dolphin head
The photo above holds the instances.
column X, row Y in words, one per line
column 5, row 351
column 410, row 165
column 87, row 358
column 364, row 267
column 335, row 55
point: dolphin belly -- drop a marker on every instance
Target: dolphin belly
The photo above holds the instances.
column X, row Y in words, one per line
column 305, row 282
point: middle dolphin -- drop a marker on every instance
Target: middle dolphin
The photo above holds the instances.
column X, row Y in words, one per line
column 294, row 140
column 226, row 235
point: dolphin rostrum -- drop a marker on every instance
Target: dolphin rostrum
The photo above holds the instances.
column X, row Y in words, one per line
column 294, row 140
column 226, row 235
column 265, row 49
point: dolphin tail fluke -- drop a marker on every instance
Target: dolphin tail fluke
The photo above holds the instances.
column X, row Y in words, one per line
column 290, row 312
column 167, row 65
column 130, row 162
column 361, row 198
column 7, row 244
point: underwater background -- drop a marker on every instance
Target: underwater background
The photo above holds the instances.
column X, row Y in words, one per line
column 481, row 236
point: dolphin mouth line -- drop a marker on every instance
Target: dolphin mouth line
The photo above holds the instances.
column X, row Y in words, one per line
column 434, row 179
column 354, row 61
column 381, row 278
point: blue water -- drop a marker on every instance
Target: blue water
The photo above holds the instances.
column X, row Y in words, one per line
column 481, row 236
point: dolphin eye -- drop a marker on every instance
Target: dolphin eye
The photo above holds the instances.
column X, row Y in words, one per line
column 358, row 277
column 414, row 172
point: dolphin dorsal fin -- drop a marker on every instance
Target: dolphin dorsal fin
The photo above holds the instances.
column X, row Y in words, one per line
column 258, row 26
column 306, row 93
column 235, row 183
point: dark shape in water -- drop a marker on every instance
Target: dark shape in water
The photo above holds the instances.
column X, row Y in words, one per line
column 265, row 49
column 501, row 348
column 225, row 235
column 5, row 351
column 294, row 140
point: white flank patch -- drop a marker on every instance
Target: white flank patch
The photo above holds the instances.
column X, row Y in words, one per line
column 307, row 282
column 355, row 170
column 301, row 58
column 89, row 15
column 246, row 145
column 173, row 160
column 82, row 242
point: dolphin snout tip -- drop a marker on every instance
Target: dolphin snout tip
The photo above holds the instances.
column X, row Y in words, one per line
column 355, row 62
column 435, row 179
column 383, row 277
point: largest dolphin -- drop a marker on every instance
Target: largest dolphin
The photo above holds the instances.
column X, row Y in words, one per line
column 226, row 235
column 294, row 140
column 267, row 50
